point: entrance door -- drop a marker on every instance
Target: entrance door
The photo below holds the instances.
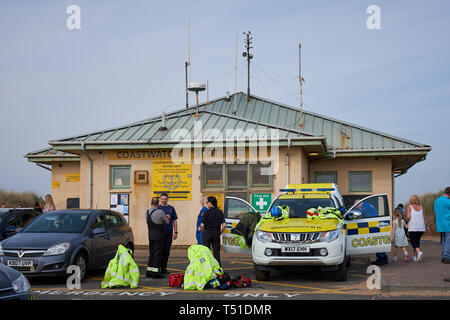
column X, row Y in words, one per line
column 234, row 209
column 368, row 226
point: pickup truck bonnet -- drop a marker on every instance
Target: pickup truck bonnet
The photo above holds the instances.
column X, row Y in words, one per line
column 294, row 225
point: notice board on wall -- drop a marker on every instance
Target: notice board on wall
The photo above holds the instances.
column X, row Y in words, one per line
column 120, row 202
column 173, row 179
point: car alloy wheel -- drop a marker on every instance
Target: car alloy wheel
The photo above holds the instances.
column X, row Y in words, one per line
column 80, row 261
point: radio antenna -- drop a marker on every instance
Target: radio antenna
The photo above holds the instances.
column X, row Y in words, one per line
column 235, row 73
column 301, row 80
column 249, row 56
column 188, row 63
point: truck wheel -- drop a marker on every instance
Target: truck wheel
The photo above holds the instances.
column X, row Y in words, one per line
column 341, row 273
column 262, row 275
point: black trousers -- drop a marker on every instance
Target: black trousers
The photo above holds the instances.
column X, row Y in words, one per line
column 211, row 238
column 156, row 255
column 414, row 237
column 167, row 243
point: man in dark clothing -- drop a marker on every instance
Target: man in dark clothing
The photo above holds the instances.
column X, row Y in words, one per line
column 213, row 224
column 156, row 219
column 170, row 229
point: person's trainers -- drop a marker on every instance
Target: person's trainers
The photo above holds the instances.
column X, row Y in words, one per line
column 406, row 257
column 419, row 256
column 394, row 258
column 415, row 258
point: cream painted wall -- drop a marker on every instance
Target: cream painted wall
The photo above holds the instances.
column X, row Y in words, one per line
column 381, row 173
column 139, row 194
column 66, row 189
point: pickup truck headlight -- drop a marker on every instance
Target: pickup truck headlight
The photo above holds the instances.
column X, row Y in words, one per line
column 57, row 249
column 330, row 236
column 263, row 236
column 21, row 284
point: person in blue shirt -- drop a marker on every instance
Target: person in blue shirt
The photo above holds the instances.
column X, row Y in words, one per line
column 442, row 210
column 198, row 233
column 170, row 229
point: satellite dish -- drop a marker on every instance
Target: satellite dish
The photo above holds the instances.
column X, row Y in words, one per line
column 196, row 87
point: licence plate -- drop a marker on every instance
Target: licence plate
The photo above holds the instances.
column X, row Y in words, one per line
column 298, row 249
column 20, row 263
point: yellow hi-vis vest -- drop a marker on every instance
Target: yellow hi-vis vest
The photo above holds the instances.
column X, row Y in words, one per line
column 268, row 216
column 324, row 213
column 203, row 268
column 122, row 270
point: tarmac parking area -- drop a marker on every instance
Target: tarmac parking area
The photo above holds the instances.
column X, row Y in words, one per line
column 282, row 285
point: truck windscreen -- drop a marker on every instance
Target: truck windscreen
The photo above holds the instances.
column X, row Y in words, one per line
column 298, row 207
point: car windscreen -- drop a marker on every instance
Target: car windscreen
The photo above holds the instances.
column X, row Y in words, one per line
column 58, row 223
column 298, row 207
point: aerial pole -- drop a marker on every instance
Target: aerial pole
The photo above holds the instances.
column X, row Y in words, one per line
column 249, row 56
column 188, row 63
column 301, row 80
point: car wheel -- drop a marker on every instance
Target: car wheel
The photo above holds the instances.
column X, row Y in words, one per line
column 341, row 273
column 81, row 262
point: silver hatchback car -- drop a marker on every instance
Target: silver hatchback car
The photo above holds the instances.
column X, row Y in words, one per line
column 57, row 239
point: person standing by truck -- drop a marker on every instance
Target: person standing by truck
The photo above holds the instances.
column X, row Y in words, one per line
column 213, row 224
column 170, row 229
column 156, row 219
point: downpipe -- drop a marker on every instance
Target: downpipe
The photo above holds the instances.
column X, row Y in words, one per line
column 83, row 150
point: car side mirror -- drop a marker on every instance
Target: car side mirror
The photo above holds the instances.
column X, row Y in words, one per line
column 98, row 231
column 354, row 214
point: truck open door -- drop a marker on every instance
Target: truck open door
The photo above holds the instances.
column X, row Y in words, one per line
column 234, row 209
column 368, row 226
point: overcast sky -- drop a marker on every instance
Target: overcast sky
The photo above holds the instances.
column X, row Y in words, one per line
column 126, row 63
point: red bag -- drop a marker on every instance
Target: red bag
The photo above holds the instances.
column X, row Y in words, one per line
column 176, row 280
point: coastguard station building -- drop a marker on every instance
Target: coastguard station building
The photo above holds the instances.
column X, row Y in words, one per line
column 248, row 148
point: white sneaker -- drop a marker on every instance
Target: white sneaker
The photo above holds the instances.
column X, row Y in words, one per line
column 419, row 256
column 415, row 258
column 394, row 259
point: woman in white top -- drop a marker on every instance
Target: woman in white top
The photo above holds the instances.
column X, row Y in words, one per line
column 416, row 225
column 49, row 204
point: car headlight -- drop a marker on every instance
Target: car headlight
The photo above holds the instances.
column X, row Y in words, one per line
column 21, row 284
column 1, row 249
column 263, row 236
column 329, row 236
column 57, row 249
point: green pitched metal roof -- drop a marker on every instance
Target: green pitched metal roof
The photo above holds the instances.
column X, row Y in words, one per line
column 49, row 155
column 258, row 113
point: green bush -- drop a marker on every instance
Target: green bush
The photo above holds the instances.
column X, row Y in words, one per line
column 13, row 199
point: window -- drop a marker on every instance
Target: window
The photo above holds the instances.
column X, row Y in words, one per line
column 325, row 177
column 360, row 181
column 375, row 206
column 261, row 175
column 120, row 177
column 237, row 176
column 236, row 208
column 213, row 175
column 112, row 221
column 99, row 222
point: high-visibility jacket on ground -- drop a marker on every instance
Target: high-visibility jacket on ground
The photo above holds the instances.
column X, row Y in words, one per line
column 203, row 267
column 122, row 270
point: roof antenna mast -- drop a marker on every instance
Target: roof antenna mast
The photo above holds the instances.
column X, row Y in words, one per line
column 188, row 62
column 235, row 74
column 301, row 80
column 249, row 56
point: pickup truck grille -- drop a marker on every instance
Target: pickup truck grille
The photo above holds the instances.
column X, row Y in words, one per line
column 306, row 237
